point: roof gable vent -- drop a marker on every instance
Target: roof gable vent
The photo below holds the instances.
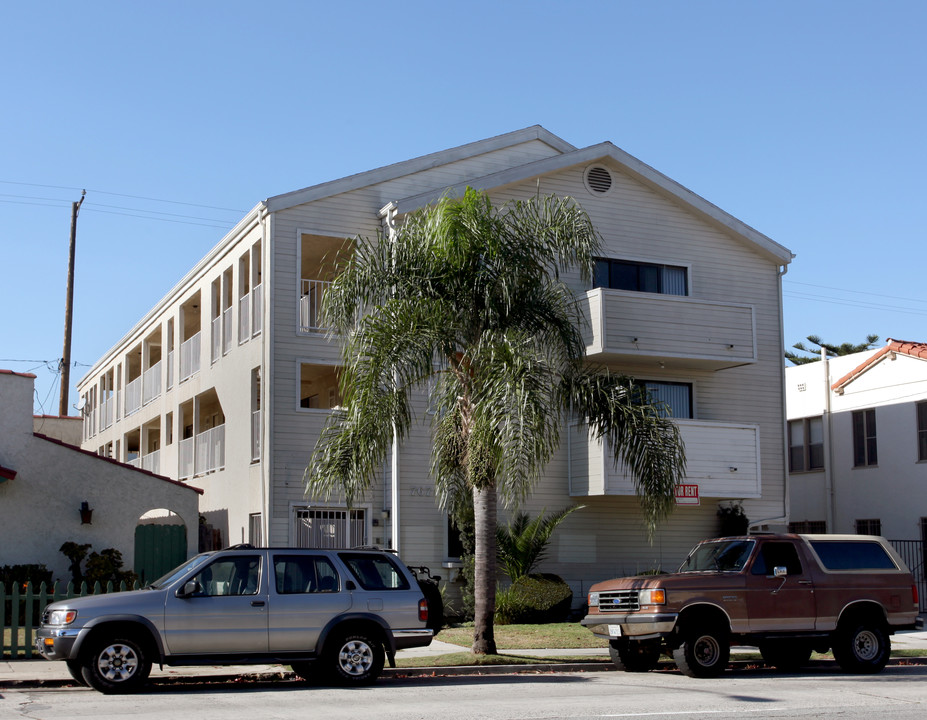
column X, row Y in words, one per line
column 598, row 180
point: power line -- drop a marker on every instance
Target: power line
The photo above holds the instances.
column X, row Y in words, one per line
column 135, row 197
column 855, row 292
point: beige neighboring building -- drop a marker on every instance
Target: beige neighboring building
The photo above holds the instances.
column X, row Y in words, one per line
column 45, row 483
column 229, row 379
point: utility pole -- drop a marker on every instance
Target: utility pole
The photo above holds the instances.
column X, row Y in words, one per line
column 66, row 354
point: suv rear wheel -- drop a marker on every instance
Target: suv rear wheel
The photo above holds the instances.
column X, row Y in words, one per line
column 861, row 646
column 355, row 658
column 115, row 665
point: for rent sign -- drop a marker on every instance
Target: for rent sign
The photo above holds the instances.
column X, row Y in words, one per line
column 687, row 495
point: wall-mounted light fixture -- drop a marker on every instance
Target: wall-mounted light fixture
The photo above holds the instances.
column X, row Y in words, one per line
column 85, row 513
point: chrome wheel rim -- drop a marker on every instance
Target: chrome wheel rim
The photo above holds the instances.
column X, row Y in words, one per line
column 117, row 663
column 355, row 658
column 866, row 645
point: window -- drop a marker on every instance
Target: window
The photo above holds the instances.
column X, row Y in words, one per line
column 298, row 574
column 375, row 572
column 331, row 527
column 777, row 554
column 869, row 527
column 642, row 277
column 318, row 386
column 675, row 396
column 922, row 431
column 865, row 451
column 806, row 444
column 455, row 548
column 852, row 555
column 808, row 527
column 254, row 529
column 239, row 575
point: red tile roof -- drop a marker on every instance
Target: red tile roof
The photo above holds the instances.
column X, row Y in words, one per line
column 6, row 473
column 904, row 347
column 13, row 372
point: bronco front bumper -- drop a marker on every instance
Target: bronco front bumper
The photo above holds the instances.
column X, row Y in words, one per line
column 639, row 626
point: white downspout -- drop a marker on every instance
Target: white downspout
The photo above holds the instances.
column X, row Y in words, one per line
column 388, row 217
column 831, row 497
column 784, row 518
column 267, row 402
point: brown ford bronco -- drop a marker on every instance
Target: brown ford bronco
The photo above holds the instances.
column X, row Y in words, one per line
column 786, row 594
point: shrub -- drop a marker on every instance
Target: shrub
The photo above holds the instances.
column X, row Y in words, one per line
column 534, row 599
column 733, row 519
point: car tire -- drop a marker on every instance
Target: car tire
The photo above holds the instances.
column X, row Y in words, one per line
column 704, row 651
column 355, row 658
column 635, row 655
column 74, row 668
column 861, row 646
column 115, row 665
column 785, row 655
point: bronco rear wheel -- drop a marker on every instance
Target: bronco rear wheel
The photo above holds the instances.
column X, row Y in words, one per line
column 861, row 646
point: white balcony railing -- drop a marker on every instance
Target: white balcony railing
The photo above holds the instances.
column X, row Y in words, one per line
column 677, row 331
column 186, row 454
column 216, row 339
column 257, row 312
column 310, row 303
column 170, row 369
column 190, row 357
column 256, row 435
column 721, row 458
column 151, row 383
column 227, row 331
column 133, row 396
column 244, row 318
column 210, row 450
column 106, row 412
column 151, row 462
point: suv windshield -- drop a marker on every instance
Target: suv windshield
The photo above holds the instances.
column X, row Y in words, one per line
column 177, row 572
column 721, row 556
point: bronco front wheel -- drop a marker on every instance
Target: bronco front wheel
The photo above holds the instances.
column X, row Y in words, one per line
column 704, row 652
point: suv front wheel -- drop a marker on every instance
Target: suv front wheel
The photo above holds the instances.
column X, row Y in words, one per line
column 115, row 665
column 355, row 658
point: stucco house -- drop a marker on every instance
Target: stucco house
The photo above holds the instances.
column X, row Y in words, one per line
column 858, row 442
column 52, row 492
column 229, row 379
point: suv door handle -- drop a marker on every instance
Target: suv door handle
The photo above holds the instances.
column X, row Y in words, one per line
column 257, row 603
column 805, row 582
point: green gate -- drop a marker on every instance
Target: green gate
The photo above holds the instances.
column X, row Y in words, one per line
column 158, row 550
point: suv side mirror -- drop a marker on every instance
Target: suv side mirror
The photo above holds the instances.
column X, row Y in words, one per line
column 191, row 587
column 780, row 571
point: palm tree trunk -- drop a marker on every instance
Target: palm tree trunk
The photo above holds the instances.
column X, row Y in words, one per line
column 484, row 581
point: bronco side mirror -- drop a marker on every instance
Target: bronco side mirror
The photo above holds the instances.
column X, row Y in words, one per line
column 780, row 571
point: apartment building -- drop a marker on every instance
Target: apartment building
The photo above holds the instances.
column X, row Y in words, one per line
column 230, row 378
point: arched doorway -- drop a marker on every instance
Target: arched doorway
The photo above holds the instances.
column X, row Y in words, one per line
column 160, row 544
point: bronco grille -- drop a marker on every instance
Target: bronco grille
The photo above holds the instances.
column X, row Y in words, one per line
column 619, row 601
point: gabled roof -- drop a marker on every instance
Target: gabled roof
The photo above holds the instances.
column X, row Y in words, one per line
column 408, row 167
column 634, row 167
column 903, row 347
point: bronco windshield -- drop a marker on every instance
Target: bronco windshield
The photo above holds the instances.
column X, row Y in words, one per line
column 720, row 556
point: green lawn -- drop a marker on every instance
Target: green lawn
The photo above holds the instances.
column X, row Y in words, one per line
column 528, row 637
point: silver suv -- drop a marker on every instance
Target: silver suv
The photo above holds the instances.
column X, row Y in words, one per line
column 334, row 613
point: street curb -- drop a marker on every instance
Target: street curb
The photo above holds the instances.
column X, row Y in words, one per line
column 399, row 673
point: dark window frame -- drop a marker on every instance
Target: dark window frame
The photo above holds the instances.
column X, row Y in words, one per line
column 636, row 276
column 865, row 444
column 921, row 410
column 868, row 526
column 812, row 454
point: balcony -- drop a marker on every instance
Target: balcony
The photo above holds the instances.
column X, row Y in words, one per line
column 190, row 357
column 721, row 458
column 151, row 383
column 202, row 454
column 678, row 332
column 310, row 303
column 258, row 310
column 133, row 396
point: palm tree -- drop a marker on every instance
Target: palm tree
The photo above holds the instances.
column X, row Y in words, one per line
column 523, row 543
column 464, row 301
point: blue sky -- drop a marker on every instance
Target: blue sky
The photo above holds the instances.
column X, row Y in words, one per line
column 806, row 120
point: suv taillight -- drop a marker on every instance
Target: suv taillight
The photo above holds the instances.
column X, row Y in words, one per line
column 914, row 593
column 423, row 610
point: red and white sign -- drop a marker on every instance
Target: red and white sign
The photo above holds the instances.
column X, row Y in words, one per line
column 687, row 495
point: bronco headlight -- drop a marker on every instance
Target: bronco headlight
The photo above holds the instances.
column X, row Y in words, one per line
column 593, row 599
column 653, row 596
column 62, row 617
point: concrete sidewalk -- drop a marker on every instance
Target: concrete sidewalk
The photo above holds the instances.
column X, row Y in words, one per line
column 46, row 673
